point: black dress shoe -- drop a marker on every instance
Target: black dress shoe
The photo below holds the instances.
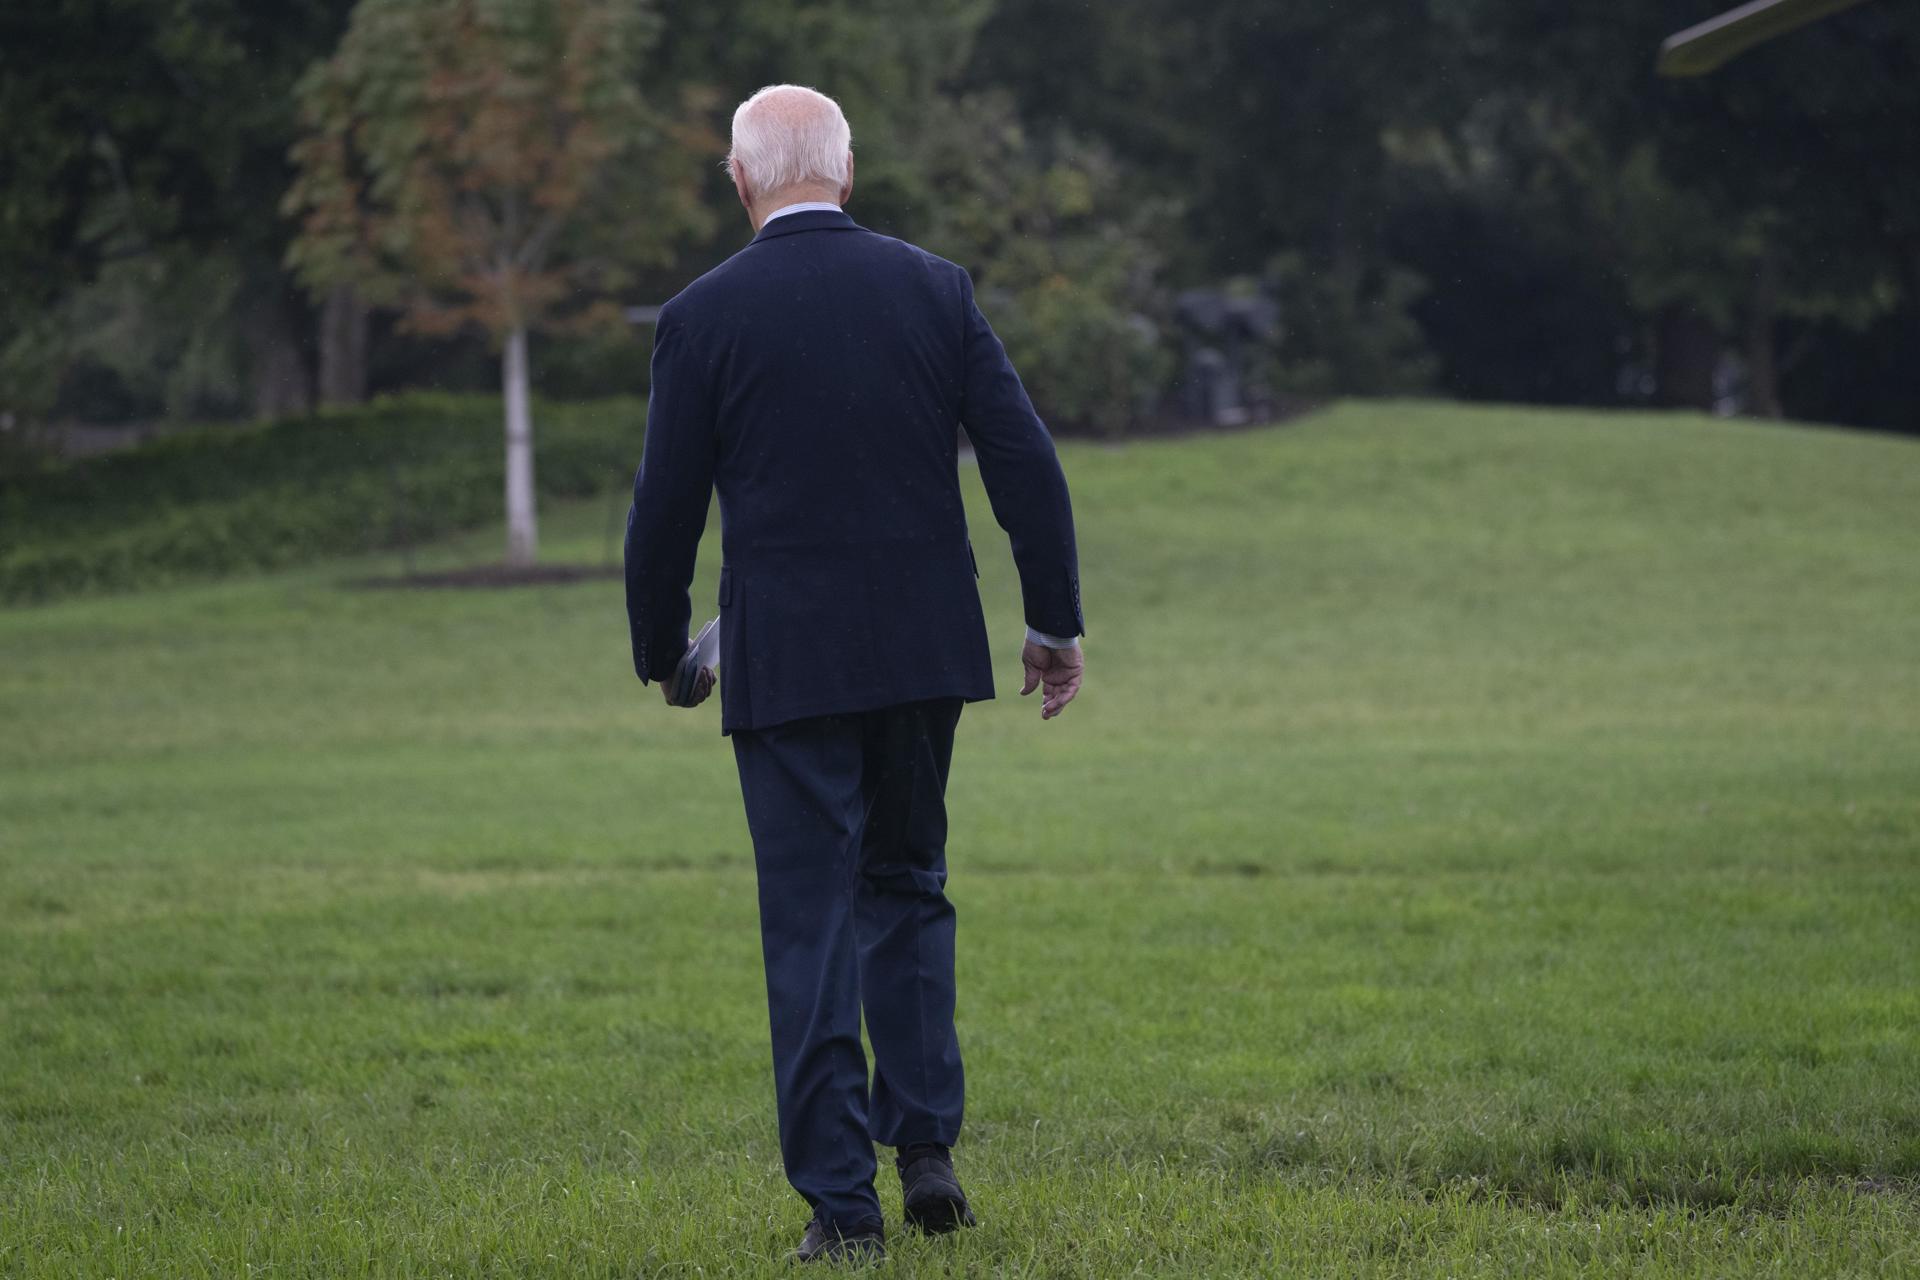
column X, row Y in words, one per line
column 862, row 1242
column 931, row 1193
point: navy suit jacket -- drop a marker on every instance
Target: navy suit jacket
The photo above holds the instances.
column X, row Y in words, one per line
column 818, row 379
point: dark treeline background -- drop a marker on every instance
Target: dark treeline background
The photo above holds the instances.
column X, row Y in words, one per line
column 1481, row 198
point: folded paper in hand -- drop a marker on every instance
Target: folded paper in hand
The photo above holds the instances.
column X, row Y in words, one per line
column 703, row 652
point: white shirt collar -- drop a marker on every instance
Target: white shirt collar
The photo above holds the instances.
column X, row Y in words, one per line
column 805, row 206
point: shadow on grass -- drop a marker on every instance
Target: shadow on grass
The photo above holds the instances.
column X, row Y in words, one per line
column 492, row 577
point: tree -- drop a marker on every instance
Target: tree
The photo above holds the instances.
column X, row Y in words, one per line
column 147, row 154
column 1778, row 188
column 1065, row 258
column 1265, row 122
column 490, row 164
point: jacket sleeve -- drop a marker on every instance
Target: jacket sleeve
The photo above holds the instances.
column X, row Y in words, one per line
column 1021, row 471
column 671, row 491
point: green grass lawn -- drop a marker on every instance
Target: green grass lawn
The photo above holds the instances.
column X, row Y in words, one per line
column 1488, row 844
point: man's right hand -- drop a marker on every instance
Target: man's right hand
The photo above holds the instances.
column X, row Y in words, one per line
column 1059, row 670
column 702, row 686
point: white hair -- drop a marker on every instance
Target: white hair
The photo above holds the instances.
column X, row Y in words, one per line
column 787, row 134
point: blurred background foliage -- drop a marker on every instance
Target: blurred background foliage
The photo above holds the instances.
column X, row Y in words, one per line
column 1482, row 198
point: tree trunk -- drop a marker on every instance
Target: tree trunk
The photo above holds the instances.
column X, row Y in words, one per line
column 343, row 347
column 1763, row 377
column 282, row 385
column 522, row 531
column 1684, row 364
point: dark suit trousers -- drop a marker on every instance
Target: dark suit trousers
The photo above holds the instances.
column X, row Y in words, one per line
column 849, row 823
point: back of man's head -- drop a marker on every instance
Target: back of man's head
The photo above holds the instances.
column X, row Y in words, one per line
column 788, row 136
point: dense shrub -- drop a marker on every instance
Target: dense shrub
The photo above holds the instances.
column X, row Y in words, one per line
column 1065, row 261
column 1090, row 365
column 1347, row 326
column 206, row 503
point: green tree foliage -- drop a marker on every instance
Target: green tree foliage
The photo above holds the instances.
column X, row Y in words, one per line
column 1264, row 123
column 1348, row 324
column 1265, row 118
column 1512, row 177
column 891, row 64
column 490, row 164
column 148, row 136
column 1489, row 196
column 1069, row 265
column 1069, row 272
column 1779, row 187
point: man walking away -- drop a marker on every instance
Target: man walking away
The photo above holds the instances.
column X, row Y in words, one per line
column 818, row 379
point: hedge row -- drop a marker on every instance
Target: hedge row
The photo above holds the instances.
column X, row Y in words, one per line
column 209, row 503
